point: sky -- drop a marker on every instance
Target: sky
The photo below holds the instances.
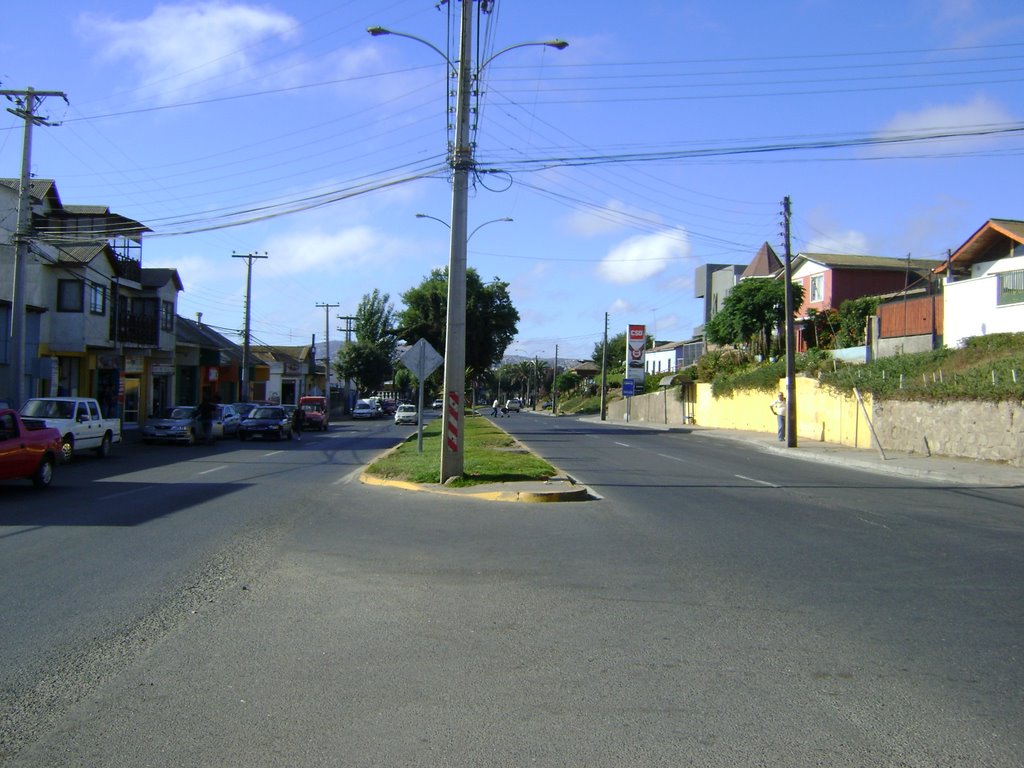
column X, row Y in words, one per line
column 665, row 136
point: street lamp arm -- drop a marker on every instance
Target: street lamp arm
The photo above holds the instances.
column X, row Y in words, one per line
column 492, row 221
column 428, row 216
column 378, row 31
column 560, row 45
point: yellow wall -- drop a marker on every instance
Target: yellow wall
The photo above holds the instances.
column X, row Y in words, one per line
column 821, row 414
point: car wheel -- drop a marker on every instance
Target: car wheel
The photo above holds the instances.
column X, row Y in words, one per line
column 104, row 450
column 43, row 475
column 190, row 438
column 67, row 448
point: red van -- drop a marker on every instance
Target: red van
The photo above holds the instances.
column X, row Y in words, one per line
column 318, row 416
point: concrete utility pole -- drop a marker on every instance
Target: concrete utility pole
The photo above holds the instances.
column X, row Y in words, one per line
column 349, row 319
column 244, row 394
column 461, row 162
column 25, row 102
column 790, row 334
column 604, row 372
column 327, row 351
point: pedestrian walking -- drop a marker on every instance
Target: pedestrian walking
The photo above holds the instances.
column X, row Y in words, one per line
column 779, row 409
column 298, row 422
column 494, row 407
column 205, row 414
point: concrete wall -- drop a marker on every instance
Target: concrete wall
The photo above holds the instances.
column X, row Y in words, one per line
column 987, row 431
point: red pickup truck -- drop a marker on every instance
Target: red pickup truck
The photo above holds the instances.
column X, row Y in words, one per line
column 27, row 451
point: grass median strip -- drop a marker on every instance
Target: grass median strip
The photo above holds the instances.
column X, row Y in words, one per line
column 491, row 456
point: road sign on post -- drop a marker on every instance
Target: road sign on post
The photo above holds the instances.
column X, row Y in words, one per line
column 422, row 359
column 628, row 387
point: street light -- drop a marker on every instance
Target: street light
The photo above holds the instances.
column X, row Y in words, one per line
column 479, row 226
column 462, row 163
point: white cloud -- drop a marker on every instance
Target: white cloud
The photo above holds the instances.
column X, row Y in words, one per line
column 944, row 118
column 641, row 257
column 316, row 252
column 191, row 48
column 850, row 241
column 611, row 217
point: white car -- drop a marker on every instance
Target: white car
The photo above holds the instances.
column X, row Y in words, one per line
column 364, row 409
column 406, row 414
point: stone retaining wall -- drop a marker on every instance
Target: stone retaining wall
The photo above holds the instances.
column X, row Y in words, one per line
column 986, row 431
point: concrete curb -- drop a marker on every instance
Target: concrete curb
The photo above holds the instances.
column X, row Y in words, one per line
column 532, row 492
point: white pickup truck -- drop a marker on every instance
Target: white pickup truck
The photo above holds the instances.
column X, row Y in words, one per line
column 80, row 421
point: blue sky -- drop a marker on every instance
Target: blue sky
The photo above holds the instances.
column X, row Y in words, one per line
column 665, row 136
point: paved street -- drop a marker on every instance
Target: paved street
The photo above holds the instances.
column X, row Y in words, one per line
column 255, row 605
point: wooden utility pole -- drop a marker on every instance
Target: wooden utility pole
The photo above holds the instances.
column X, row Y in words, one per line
column 25, row 108
column 327, row 350
column 243, row 396
column 790, row 333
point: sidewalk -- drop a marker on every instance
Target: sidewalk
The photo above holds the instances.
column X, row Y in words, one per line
column 939, row 469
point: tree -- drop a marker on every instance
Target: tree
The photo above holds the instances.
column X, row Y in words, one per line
column 853, row 315
column 750, row 314
column 491, row 318
column 616, row 352
column 369, row 361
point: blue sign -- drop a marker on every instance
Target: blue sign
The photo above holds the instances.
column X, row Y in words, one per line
column 627, row 388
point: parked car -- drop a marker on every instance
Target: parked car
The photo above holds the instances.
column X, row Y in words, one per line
column 29, row 451
column 226, row 420
column 406, row 414
column 80, row 421
column 513, row 405
column 266, row 421
column 178, row 424
column 244, row 409
column 318, row 415
column 366, row 409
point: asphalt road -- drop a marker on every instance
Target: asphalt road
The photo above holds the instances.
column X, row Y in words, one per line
column 255, row 605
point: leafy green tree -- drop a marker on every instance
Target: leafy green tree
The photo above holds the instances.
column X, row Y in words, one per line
column 616, row 352
column 750, row 314
column 853, row 315
column 491, row 318
column 369, row 360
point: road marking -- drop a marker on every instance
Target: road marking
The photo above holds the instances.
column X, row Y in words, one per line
column 215, row 469
column 273, row 453
column 624, row 445
column 674, row 458
column 348, row 478
column 122, row 493
column 755, row 480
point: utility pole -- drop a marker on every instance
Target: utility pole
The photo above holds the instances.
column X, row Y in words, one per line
column 554, row 386
column 790, row 332
column 452, row 445
column 327, row 351
column 604, row 372
column 25, row 108
column 244, row 394
column 348, row 340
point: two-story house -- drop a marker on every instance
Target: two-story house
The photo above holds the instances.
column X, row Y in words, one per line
column 829, row 279
column 984, row 290
column 105, row 325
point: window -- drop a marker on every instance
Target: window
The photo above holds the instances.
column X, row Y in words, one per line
column 1011, row 287
column 97, row 299
column 167, row 316
column 817, row 288
column 69, row 295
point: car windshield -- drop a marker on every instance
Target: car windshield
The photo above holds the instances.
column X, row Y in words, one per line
column 49, row 409
column 407, row 408
column 267, row 413
column 180, row 412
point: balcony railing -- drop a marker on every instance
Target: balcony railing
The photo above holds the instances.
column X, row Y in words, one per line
column 129, row 328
